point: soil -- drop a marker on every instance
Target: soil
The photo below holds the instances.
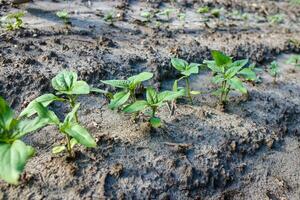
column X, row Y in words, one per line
column 248, row 150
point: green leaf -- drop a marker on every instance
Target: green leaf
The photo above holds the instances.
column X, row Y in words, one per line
column 97, row 90
column 231, row 72
column 169, row 96
column 6, row 115
column 192, row 69
column 80, row 87
column 73, row 142
column 175, row 86
column 46, row 114
column 213, row 66
column 45, row 100
column 64, row 81
column 240, row 63
column 151, row 95
column 71, row 116
column 141, row 77
column 136, row 106
column 13, row 158
column 80, row 134
column 155, row 122
column 195, row 92
column 218, row 79
column 58, row 149
column 220, row 58
column 117, row 83
column 248, row 74
column 179, row 64
column 29, row 125
column 237, row 84
column 119, row 99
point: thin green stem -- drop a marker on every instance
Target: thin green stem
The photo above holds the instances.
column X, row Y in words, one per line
column 188, row 88
column 69, row 148
column 72, row 100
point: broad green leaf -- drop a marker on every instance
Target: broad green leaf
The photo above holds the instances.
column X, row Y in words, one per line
column 119, row 99
column 248, row 74
column 46, row 114
column 58, row 149
column 136, row 106
column 117, row 83
column 231, row 72
column 80, row 134
column 97, row 90
column 213, row 66
column 193, row 69
column 79, row 87
column 141, row 77
column 218, row 79
column 239, row 63
column 13, row 158
column 151, row 95
column 237, row 84
column 195, row 92
column 169, row 96
column 179, row 64
column 220, row 58
column 45, row 100
column 29, row 125
column 71, row 116
column 175, row 86
column 155, row 122
column 6, row 115
column 64, row 81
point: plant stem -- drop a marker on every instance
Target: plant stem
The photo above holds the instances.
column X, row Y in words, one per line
column 188, row 88
column 153, row 111
column 69, row 148
column 73, row 103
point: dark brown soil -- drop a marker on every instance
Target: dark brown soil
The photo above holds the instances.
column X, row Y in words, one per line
column 249, row 150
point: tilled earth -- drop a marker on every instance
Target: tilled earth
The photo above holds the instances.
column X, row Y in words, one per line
column 248, row 150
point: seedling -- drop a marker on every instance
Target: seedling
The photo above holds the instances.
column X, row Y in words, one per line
column 67, row 87
column 64, row 16
column 13, row 21
column 153, row 102
column 181, row 92
column 276, row 19
column 14, row 153
column 294, row 60
column 182, row 17
column 216, row 12
column 147, row 16
column 186, row 70
column 110, row 17
column 274, row 70
column 203, row 10
column 167, row 12
column 128, row 87
column 73, row 131
column 226, row 74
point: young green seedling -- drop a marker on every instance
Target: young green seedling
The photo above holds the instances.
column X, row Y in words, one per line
column 294, row 60
column 181, row 92
column 186, row 70
column 226, row 74
column 167, row 12
column 182, row 17
column 110, row 18
column 64, row 16
column 276, row 19
column 73, row 131
column 128, row 87
column 154, row 101
column 13, row 21
column 203, row 10
column 14, row 153
column 274, row 70
column 147, row 16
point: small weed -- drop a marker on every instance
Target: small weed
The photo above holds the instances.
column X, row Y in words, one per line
column 147, row 16
column 274, row 70
column 203, row 10
column 128, row 87
column 110, row 18
column 276, row 19
column 294, row 60
column 167, row 12
column 186, row 70
column 64, row 16
column 226, row 74
column 13, row 21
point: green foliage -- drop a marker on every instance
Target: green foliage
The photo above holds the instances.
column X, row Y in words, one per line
column 64, row 16
column 13, row 21
column 67, row 87
column 14, row 153
column 147, row 15
column 128, row 87
column 276, row 19
column 186, row 70
column 74, row 132
column 153, row 101
column 274, row 70
column 203, row 10
column 227, row 73
column 167, row 12
column 294, row 60
column 110, row 17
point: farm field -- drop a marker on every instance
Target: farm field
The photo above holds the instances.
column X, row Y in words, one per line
column 190, row 142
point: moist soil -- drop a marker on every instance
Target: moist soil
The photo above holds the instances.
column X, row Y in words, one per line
column 249, row 149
